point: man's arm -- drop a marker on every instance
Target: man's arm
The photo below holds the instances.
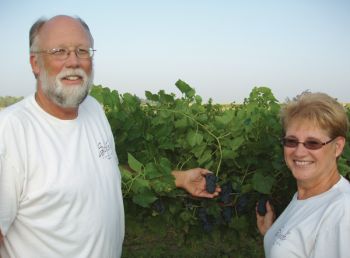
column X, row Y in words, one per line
column 193, row 181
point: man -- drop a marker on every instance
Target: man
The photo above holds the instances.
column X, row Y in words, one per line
column 59, row 195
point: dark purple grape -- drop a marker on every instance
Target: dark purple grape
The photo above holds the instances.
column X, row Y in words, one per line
column 207, row 226
column 158, row 206
column 227, row 213
column 210, row 182
column 225, row 194
column 242, row 203
column 188, row 204
column 202, row 214
column 261, row 208
column 205, row 219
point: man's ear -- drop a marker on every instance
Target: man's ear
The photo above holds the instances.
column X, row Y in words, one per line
column 34, row 62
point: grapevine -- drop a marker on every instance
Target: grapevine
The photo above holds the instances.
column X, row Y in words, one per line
column 238, row 142
column 217, row 139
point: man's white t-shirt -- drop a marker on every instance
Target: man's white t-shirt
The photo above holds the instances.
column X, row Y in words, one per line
column 318, row 227
column 60, row 186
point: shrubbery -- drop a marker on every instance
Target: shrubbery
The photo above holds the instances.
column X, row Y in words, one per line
column 8, row 100
column 239, row 143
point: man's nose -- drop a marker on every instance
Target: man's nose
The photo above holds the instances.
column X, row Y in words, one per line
column 72, row 60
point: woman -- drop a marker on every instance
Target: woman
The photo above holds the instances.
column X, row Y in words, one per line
column 316, row 223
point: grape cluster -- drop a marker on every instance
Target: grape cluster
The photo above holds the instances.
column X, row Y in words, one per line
column 159, row 206
column 227, row 213
column 188, row 203
column 210, row 182
column 226, row 192
column 225, row 199
column 261, row 207
column 207, row 223
column 242, row 204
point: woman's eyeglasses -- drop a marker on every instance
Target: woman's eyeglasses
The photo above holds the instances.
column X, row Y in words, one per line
column 308, row 144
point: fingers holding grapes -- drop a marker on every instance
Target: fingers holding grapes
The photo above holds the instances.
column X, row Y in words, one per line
column 265, row 215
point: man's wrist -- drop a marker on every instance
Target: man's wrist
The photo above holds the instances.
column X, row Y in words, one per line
column 179, row 178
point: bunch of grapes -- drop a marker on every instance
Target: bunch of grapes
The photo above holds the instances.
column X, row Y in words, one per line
column 261, row 207
column 205, row 219
column 225, row 198
column 226, row 192
column 188, row 203
column 227, row 213
column 242, row 204
column 210, row 182
column 159, row 206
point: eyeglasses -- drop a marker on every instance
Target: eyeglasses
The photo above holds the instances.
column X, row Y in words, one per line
column 308, row 144
column 63, row 53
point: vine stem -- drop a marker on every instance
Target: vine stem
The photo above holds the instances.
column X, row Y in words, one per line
column 132, row 182
column 205, row 128
column 244, row 176
column 185, row 162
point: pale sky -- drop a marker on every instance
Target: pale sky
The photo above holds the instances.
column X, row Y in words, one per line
column 222, row 48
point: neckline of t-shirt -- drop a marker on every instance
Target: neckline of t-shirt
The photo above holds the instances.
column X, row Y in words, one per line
column 50, row 117
column 315, row 197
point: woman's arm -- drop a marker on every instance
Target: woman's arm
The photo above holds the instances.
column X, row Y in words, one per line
column 266, row 221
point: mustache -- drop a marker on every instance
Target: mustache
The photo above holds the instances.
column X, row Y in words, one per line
column 72, row 72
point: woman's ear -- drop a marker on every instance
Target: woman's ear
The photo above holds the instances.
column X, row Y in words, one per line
column 339, row 144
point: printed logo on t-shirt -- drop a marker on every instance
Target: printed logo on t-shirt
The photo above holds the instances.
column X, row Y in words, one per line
column 280, row 236
column 104, row 150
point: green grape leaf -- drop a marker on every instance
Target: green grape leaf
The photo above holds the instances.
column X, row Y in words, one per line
column 237, row 142
column 151, row 171
column 262, row 184
column 150, row 96
column 144, row 199
column 140, row 185
column 194, row 138
column 134, row 163
column 126, row 174
column 205, row 157
column 183, row 86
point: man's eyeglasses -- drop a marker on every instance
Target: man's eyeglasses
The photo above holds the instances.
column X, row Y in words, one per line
column 308, row 144
column 63, row 53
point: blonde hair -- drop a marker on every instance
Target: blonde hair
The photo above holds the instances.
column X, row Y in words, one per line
column 318, row 108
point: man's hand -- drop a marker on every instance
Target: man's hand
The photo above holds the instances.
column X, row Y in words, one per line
column 193, row 181
column 265, row 222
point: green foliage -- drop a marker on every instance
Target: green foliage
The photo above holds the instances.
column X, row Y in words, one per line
column 240, row 143
column 7, row 101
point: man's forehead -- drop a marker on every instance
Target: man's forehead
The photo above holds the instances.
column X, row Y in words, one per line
column 64, row 29
column 61, row 23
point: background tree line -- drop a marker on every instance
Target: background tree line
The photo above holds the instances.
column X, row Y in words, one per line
column 8, row 100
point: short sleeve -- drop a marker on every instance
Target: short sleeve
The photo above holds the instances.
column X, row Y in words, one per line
column 334, row 240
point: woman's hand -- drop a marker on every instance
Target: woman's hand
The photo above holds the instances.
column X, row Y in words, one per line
column 193, row 181
column 265, row 222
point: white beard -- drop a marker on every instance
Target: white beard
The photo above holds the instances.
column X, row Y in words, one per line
column 66, row 96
